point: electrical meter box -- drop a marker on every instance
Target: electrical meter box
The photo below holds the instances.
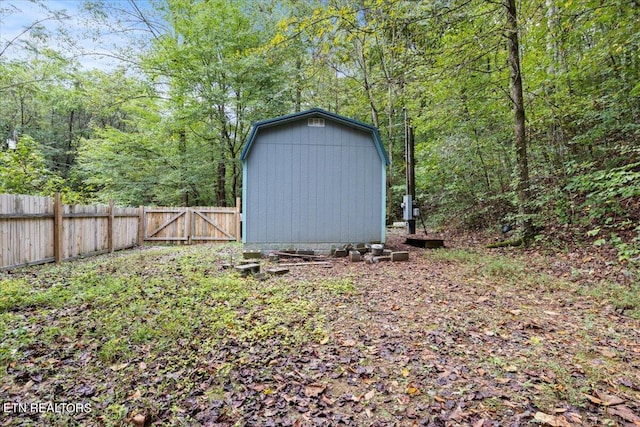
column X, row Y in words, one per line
column 407, row 207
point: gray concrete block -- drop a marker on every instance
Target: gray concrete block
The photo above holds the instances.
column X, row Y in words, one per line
column 340, row 253
column 251, row 254
column 354, row 256
column 305, row 252
column 273, row 257
column 400, row 256
column 247, row 269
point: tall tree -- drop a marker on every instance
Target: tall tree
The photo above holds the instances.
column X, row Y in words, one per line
column 361, row 49
column 219, row 81
column 517, row 97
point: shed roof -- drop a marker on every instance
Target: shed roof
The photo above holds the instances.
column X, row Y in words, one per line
column 315, row 112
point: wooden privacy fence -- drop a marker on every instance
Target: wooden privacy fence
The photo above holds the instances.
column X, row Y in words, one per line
column 37, row 230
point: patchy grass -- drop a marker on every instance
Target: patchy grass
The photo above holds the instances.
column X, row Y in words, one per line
column 140, row 321
column 625, row 298
column 514, row 270
column 454, row 337
column 483, row 263
column 543, row 335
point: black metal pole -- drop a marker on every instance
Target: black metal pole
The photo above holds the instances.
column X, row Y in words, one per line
column 409, row 149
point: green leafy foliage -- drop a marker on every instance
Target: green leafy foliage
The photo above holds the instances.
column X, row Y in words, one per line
column 605, row 191
column 168, row 127
column 23, row 170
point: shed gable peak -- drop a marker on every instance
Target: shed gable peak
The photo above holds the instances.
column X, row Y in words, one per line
column 315, row 113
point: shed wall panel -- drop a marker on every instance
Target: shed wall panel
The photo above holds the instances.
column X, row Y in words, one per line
column 312, row 185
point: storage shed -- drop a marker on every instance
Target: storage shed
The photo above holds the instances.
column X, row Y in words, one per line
column 313, row 180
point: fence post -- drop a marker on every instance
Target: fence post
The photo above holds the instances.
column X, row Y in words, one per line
column 110, row 227
column 187, row 225
column 141, row 226
column 238, row 211
column 57, row 227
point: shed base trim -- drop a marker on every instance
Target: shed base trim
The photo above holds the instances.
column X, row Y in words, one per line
column 318, row 248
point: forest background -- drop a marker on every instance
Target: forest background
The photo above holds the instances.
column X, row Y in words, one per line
column 164, row 122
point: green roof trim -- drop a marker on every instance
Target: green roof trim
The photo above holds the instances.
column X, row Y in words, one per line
column 315, row 112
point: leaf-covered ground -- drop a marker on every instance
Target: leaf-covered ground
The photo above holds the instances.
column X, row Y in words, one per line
column 455, row 337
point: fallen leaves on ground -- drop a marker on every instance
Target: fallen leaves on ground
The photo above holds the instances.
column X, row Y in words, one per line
column 450, row 338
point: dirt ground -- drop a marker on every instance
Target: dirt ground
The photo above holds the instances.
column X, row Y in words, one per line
column 460, row 336
column 487, row 340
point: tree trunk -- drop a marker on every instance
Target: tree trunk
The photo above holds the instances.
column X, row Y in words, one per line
column 221, row 194
column 476, row 139
column 68, row 157
column 524, row 191
column 182, row 148
column 298, row 83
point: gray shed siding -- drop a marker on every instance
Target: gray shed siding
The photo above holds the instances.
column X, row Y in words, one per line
column 313, row 185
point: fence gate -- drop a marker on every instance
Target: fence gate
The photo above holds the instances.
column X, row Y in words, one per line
column 196, row 224
column 217, row 224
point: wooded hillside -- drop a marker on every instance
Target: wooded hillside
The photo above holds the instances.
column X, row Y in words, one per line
column 166, row 126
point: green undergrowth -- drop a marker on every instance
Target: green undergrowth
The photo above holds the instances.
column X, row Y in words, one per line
column 515, row 271
column 625, row 298
column 561, row 344
column 154, row 297
column 173, row 309
column 485, row 265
